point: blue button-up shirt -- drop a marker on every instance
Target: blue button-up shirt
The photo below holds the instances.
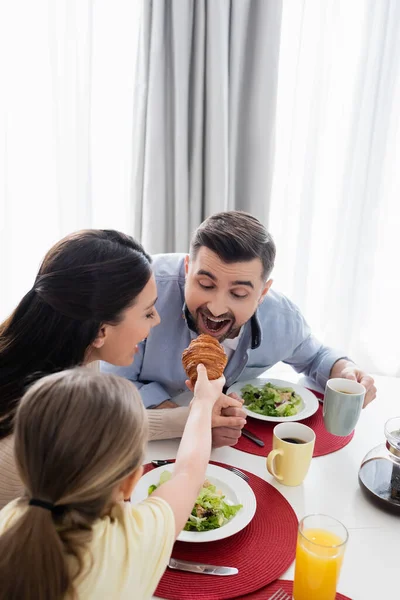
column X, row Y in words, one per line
column 277, row 332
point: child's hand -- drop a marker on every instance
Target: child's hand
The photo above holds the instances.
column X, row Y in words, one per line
column 206, row 390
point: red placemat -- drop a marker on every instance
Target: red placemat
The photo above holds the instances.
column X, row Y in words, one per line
column 262, row 552
column 286, row 586
column 325, row 442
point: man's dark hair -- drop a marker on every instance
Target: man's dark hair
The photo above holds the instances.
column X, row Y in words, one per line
column 235, row 236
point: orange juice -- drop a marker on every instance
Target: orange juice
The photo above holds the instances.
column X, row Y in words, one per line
column 318, row 564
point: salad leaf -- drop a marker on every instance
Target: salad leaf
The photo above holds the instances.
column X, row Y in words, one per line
column 210, row 511
column 165, row 476
column 271, row 400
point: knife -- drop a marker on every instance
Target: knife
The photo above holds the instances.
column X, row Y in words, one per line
column 161, row 463
column 252, row 437
column 192, row 567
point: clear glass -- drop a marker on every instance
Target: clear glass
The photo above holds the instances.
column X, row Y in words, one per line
column 392, row 432
column 379, row 474
column 321, row 543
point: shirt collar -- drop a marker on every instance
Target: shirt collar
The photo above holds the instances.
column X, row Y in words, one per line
column 188, row 318
column 256, row 332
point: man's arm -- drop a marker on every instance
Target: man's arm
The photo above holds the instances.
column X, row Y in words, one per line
column 153, row 394
column 313, row 358
column 321, row 363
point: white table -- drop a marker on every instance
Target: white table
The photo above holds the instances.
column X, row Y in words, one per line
column 371, row 566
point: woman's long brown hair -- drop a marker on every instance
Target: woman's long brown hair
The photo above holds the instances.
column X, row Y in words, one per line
column 78, row 434
column 86, row 280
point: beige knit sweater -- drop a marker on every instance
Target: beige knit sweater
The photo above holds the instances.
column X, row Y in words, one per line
column 10, row 484
column 163, row 424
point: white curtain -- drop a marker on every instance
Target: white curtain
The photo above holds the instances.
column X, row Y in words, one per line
column 66, row 107
column 67, row 76
column 205, row 114
column 335, row 201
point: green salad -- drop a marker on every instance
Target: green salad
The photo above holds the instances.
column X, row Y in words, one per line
column 271, row 400
column 210, row 510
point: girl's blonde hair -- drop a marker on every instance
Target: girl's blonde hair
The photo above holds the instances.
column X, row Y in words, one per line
column 78, row 434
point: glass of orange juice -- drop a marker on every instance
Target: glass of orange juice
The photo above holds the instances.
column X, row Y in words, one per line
column 321, row 543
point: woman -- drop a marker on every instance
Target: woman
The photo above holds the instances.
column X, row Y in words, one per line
column 93, row 299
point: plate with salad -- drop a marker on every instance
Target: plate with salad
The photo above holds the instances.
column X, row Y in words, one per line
column 224, row 506
column 275, row 400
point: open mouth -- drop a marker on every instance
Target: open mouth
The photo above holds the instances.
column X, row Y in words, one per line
column 214, row 326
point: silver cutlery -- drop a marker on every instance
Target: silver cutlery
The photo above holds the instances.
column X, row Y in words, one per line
column 237, row 472
column 162, row 463
column 200, row 568
column 251, row 436
column 280, row 595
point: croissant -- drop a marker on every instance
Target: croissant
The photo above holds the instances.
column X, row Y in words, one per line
column 206, row 350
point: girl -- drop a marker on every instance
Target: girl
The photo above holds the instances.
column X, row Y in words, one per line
column 79, row 441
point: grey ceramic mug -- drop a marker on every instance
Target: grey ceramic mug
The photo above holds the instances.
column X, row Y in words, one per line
column 343, row 402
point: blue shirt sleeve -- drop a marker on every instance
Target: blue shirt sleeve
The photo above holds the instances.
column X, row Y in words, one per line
column 310, row 356
column 152, row 393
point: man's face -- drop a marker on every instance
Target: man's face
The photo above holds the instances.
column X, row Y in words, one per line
column 222, row 297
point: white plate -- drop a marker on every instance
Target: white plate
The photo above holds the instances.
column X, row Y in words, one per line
column 235, row 490
column 309, row 404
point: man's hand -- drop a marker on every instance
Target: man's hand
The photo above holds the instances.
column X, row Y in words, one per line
column 225, row 436
column 228, row 420
column 348, row 370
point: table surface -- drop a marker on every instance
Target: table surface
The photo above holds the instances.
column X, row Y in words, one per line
column 370, row 569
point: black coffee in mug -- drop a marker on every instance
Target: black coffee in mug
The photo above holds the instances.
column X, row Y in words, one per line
column 293, row 440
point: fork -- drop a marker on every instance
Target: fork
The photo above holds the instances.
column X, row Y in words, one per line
column 280, row 595
column 238, row 473
column 161, row 463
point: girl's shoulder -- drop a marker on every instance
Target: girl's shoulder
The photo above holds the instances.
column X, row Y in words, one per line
column 148, row 514
column 129, row 551
column 10, row 514
column 133, row 525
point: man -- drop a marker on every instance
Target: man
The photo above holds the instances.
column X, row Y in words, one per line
column 224, row 289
